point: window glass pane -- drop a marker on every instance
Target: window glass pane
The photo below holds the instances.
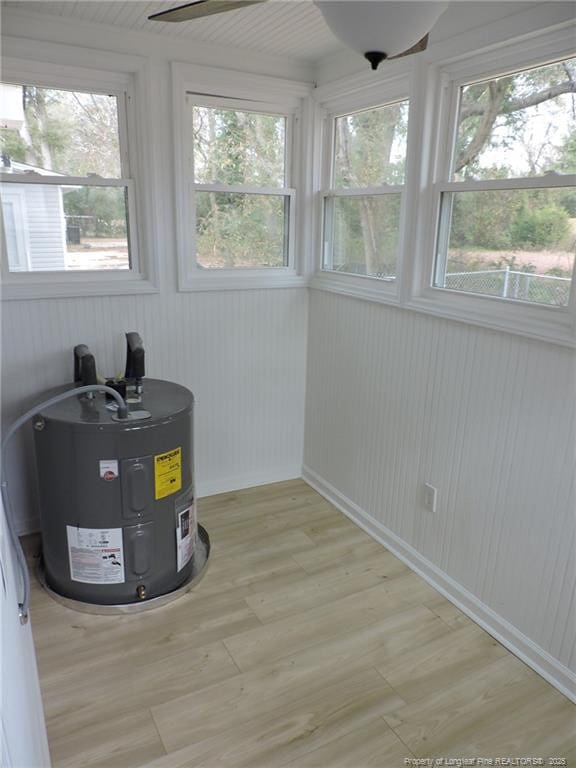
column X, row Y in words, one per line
column 517, row 244
column 238, row 148
column 241, row 230
column 362, row 233
column 518, row 125
column 68, row 132
column 370, row 147
column 48, row 227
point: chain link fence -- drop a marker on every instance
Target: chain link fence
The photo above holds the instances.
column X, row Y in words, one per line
column 507, row 283
column 360, row 268
column 512, row 284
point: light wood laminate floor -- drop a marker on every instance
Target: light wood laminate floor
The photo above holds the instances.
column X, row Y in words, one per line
column 306, row 645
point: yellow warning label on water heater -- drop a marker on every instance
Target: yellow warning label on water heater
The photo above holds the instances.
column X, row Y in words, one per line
column 167, row 473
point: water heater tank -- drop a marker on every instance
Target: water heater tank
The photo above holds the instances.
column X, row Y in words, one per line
column 117, row 500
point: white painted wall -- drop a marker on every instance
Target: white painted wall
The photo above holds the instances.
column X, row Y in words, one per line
column 396, row 399
column 241, row 352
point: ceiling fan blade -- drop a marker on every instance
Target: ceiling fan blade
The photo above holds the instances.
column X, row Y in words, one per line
column 421, row 45
column 200, row 8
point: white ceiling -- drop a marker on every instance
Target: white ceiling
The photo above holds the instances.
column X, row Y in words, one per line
column 280, row 27
column 289, row 28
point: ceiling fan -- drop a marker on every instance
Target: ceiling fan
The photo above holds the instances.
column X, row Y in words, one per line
column 378, row 29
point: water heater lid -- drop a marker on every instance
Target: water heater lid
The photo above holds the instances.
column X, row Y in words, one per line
column 163, row 399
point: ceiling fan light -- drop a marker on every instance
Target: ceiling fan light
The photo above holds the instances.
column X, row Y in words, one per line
column 375, row 58
column 380, row 25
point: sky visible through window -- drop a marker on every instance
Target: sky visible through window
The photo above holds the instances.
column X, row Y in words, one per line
column 531, row 132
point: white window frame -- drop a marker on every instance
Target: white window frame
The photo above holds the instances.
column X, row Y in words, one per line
column 337, row 100
column 18, row 201
column 529, row 319
column 199, row 86
column 127, row 87
column 286, row 191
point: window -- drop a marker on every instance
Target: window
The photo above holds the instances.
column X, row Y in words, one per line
column 66, row 188
column 76, row 192
column 241, row 197
column 363, row 203
column 236, row 138
column 507, row 225
column 451, row 190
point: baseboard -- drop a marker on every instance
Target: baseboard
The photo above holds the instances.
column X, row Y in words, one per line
column 248, row 480
column 512, row 638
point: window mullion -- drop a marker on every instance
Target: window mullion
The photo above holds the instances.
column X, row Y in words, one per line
column 364, row 191
column 289, row 134
column 453, row 95
column 442, row 240
column 328, row 234
column 62, row 181
column 122, row 107
column 244, row 189
column 529, row 182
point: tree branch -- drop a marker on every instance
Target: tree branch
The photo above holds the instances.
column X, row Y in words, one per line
column 497, row 91
column 569, row 86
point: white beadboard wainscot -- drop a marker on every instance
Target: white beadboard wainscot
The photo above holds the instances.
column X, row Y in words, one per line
column 242, row 353
column 396, row 399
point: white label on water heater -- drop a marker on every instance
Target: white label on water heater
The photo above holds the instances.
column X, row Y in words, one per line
column 109, row 469
column 96, row 555
column 186, row 535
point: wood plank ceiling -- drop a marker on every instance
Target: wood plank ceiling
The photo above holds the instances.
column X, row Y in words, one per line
column 289, row 28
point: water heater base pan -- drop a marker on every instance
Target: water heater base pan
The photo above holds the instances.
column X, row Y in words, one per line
column 200, row 566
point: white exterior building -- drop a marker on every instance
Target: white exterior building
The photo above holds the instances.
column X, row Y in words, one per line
column 34, row 224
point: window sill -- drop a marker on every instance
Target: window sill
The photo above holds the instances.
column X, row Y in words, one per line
column 50, row 286
column 538, row 322
column 534, row 322
column 367, row 288
column 230, row 280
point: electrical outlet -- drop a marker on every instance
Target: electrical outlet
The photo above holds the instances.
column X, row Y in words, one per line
column 430, row 497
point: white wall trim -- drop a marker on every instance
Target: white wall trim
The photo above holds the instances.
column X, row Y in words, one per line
column 357, row 286
column 228, row 83
column 363, row 91
column 345, row 286
column 498, row 315
column 515, row 641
